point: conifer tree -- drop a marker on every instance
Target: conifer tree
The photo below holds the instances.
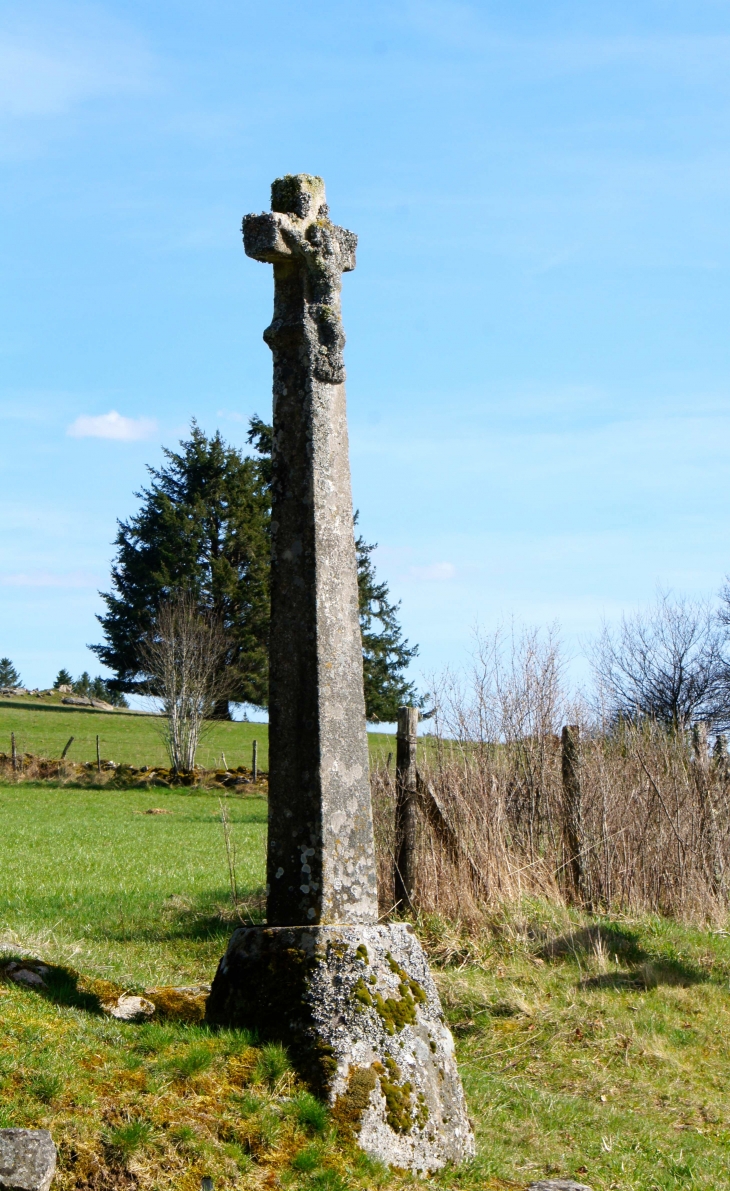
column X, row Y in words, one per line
column 8, row 674
column 63, row 678
column 203, row 527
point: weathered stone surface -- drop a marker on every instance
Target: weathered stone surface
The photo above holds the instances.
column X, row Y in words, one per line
column 321, row 858
column 83, row 701
column 361, row 1014
column 558, row 1185
column 129, row 1008
column 27, row 1159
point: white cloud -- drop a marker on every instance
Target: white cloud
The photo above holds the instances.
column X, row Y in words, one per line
column 112, row 425
column 437, row 570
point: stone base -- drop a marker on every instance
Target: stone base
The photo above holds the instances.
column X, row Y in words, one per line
column 359, row 1010
column 27, row 1159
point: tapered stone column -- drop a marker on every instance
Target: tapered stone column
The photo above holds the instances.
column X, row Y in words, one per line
column 321, row 860
column 354, row 1000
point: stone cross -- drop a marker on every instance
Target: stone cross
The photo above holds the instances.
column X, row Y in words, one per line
column 352, row 998
column 321, row 861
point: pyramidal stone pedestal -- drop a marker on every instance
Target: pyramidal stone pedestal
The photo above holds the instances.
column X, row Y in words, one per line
column 353, row 1000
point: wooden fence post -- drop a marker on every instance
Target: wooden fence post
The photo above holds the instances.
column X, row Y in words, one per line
column 572, row 812
column 406, row 811
column 255, row 761
column 98, row 756
column 14, row 751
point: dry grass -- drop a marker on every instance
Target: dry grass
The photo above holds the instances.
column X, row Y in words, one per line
column 654, row 825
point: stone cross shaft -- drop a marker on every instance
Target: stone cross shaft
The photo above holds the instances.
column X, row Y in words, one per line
column 321, row 859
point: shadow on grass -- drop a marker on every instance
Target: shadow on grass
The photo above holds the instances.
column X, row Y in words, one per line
column 609, row 942
column 67, row 988
column 61, row 985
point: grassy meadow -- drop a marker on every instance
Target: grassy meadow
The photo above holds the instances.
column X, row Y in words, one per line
column 594, row 1048
column 43, row 726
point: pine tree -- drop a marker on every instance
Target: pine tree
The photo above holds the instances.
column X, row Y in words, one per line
column 98, row 688
column 8, row 674
column 63, row 678
column 82, row 685
column 203, row 527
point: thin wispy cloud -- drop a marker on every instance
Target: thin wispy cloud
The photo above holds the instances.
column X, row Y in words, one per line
column 112, row 425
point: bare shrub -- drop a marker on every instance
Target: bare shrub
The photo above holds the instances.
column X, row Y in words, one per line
column 183, row 657
column 655, row 813
column 665, row 663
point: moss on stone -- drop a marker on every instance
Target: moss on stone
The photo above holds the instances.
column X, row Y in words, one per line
column 349, row 1107
column 406, row 983
column 395, row 1014
column 361, row 993
column 362, row 953
column 398, row 1096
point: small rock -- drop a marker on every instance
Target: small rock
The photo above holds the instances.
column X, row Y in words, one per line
column 129, row 1008
column 558, row 1185
column 157, row 810
column 27, row 1159
column 65, row 689
column 26, row 976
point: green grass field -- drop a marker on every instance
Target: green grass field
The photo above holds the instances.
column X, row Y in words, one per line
column 42, row 727
column 594, row 1049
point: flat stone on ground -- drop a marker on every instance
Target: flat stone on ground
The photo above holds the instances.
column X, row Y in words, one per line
column 558, row 1185
column 27, row 1159
column 129, row 1008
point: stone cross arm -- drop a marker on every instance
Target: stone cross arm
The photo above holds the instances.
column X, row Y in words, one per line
column 298, row 225
column 309, row 254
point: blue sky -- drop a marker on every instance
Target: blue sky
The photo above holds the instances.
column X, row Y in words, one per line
column 538, row 352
